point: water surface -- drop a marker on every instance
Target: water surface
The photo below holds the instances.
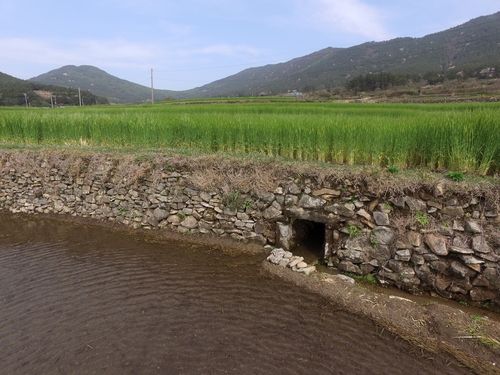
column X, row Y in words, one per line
column 88, row 300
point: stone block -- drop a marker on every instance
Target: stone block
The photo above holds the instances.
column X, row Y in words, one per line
column 381, row 253
column 381, row 218
column 480, row 245
column 309, row 202
column 461, row 270
column 478, row 294
column 439, row 189
column 473, row 226
column 346, row 266
column 294, row 189
column 454, row 211
column 331, row 192
column 364, row 214
column 384, row 235
column 403, row 255
column 437, row 244
column 414, row 238
column 416, row 204
column 417, row 259
column 189, row 222
column 352, row 256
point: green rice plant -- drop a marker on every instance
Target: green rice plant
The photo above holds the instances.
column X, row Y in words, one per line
column 464, row 137
column 392, row 169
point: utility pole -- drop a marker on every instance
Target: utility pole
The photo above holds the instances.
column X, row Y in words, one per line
column 79, row 97
column 26, row 99
column 152, row 89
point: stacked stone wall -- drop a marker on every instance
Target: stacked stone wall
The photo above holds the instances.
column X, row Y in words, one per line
column 427, row 240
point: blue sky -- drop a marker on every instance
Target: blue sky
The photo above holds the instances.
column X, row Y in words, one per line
column 189, row 43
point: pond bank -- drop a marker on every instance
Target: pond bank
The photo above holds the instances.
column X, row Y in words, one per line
column 418, row 235
column 431, row 326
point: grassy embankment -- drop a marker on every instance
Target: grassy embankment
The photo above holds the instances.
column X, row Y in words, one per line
column 457, row 137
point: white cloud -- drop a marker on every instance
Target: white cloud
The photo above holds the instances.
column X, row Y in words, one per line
column 353, row 16
column 105, row 53
column 229, row 50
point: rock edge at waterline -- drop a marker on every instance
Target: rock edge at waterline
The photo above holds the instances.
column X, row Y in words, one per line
column 434, row 327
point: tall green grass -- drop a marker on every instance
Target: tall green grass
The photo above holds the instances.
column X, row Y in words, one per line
column 463, row 137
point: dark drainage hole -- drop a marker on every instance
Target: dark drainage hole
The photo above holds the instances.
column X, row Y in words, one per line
column 308, row 239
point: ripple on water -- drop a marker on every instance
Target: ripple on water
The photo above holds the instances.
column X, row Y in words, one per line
column 90, row 301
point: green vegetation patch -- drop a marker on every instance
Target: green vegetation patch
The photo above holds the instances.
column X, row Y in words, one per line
column 458, row 137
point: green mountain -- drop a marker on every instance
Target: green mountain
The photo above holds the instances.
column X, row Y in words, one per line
column 472, row 45
column 100, row 83
column 17, row 92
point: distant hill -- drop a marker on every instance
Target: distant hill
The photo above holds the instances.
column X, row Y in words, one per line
column 474, row 44
column 470, row 46
column 100, row 83
column 17, row 92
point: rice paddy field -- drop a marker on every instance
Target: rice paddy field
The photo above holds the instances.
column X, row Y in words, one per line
column 457, row 137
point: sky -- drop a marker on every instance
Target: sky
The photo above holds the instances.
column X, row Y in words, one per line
column 189, row 43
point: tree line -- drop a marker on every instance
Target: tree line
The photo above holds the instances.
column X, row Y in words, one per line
column 385, row 80
column 22, row 93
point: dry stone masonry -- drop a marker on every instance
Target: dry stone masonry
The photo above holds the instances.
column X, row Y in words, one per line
column 427, row 240
column 287, row 259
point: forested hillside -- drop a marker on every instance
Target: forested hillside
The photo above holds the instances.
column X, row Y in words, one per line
column 17, row 92
column 100, row 83
column 469, row 47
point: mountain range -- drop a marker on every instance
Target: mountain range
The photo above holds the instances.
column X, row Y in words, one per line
column 472, row 45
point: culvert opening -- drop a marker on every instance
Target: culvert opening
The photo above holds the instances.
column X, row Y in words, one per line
column 309, row 239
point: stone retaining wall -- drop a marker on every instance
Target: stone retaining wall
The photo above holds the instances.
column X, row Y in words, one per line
column 429, row 240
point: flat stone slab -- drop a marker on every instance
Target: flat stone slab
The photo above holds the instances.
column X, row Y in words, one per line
column 345, row 278
column 309, row 202
column 321, row 192
column 461, row 250
column 276, row 256
column 307, row 270
column 469, row 259
column 473, row 226
column 437, row 244
column 363, row 213
column 455, row 211
column 480, row 245
column 294, row 261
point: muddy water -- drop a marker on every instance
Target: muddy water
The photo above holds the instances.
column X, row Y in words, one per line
column 86, row 300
